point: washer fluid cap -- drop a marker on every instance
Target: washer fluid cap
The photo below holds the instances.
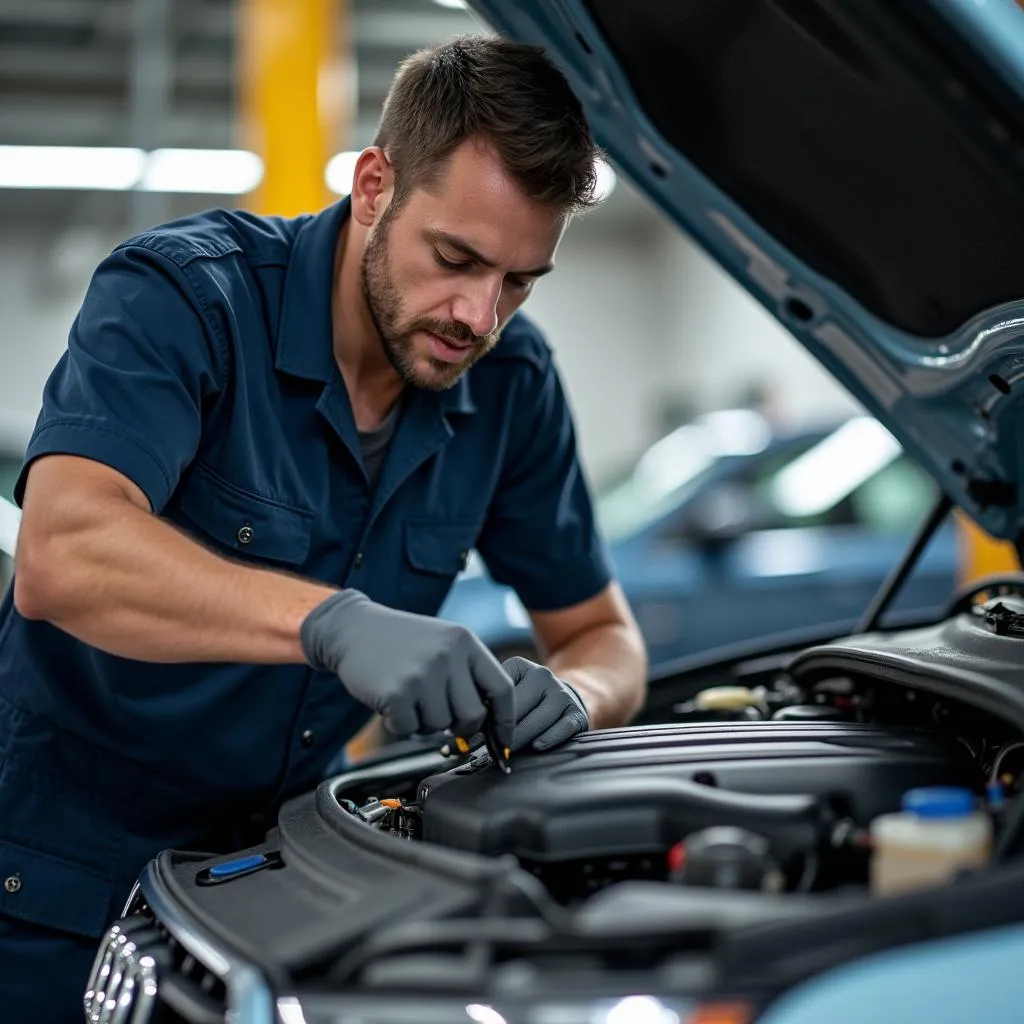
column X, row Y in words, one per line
column 940, row 802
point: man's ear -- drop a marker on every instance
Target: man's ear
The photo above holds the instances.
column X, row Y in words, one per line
column 373, row 182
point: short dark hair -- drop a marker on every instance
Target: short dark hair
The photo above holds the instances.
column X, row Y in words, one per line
column 507, row 94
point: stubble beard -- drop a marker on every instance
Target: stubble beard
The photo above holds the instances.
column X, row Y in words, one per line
column 384, row 304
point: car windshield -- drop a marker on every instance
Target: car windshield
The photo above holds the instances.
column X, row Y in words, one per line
column 799, row 482
column 674, row 467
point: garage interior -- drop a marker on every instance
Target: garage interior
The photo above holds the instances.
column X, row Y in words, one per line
column 759, row 519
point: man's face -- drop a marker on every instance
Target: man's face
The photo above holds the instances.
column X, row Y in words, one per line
column 443, row 274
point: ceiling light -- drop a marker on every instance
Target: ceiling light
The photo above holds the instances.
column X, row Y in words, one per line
column 641, row 1010
column 97, row 168
column 484, row 1014
column 606, row 180
column 455, row 5
column 339, row 172
column 60, row 167
column 230, row 172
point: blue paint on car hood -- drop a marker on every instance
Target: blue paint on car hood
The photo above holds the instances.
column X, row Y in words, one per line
column 951, row 397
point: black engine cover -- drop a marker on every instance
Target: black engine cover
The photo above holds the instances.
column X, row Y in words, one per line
column 636, row 790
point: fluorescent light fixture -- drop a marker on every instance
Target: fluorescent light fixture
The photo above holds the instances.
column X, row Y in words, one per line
column 606, row 180
column 484, row 1014
column 98, row 168
column 340, row 170
column 835, row 467
column 230, row 172
column 641, row 1010
column 70, row 167
column 454, row 5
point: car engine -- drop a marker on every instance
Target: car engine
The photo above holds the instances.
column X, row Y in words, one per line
column 727, row 842
column 771, row 786
column 796, row 798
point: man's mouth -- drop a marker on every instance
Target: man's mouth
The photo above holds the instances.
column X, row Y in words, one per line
column 447, row 349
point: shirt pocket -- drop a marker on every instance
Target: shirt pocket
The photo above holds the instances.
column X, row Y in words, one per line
column 52, row 891
column 436, row 551
column 244, row 523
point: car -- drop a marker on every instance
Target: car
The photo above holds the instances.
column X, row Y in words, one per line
column 724, row 530
column 821, row 828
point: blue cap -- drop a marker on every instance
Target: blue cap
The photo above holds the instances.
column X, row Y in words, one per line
column 939, row 801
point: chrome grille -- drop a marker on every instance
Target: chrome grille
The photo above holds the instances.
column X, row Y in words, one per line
column 122, row 987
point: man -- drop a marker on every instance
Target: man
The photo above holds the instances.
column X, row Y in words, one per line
column 258, row 468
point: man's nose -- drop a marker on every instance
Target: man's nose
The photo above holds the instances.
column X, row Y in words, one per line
column 477, row 307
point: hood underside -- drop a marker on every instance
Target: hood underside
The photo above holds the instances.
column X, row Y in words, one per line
column 858, row 167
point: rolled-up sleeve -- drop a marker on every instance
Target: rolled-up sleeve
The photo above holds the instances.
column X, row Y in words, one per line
column 540, row 536
column 142, row 362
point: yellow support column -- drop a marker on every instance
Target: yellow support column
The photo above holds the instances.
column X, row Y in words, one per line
column 295, row 97
column 980, row 554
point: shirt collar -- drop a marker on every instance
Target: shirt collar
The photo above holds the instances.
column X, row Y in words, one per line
column 305, row 334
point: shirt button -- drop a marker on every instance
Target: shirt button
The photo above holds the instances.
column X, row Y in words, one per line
column 245, row 534
column 463, row 559
column 307, row 738
column 12, row 884
column 359, row 559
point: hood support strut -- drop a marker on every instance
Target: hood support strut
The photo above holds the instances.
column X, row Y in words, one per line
column 890, row 588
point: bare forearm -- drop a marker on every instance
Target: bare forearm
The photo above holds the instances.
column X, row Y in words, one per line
column 129, row 583
column 607, row 666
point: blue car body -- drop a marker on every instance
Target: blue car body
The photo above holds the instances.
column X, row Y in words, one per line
column 696, row 583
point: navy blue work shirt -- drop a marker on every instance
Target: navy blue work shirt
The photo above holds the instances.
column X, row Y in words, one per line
column 201, row 367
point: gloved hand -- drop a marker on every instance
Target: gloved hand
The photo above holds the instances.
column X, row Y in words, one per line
column 419, row 673
column 548, row 711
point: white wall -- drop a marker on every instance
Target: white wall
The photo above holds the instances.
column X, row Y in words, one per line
column 601, row 310
column 634, row 312
column 723, row 339
column 42, row 280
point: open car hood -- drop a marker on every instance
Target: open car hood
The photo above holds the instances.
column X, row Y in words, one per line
column 858, row 167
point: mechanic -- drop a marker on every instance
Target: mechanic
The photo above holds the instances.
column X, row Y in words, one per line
column 264, row 457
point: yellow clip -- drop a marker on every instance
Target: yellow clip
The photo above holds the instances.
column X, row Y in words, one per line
column 461, row 745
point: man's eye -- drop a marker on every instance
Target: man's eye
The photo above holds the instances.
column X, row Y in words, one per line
column 449, row 264
column 518, row 282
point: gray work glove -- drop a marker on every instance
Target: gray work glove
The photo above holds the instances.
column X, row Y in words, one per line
column 421, row 674
column 548, row 711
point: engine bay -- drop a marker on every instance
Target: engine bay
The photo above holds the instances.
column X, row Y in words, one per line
column 612, row 806
column 756, row 829
column 770, row 787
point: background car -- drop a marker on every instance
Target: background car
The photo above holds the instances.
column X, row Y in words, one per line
column 724, row 531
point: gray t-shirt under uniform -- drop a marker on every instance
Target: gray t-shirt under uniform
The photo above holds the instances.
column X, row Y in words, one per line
column 374, row 443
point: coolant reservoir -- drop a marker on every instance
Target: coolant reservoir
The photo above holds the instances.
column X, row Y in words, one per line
column 939, row 832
